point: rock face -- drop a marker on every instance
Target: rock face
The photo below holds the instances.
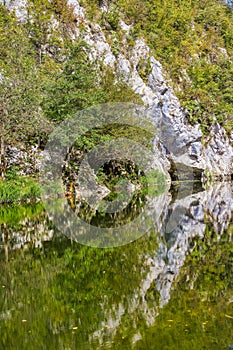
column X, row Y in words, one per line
column 179, row 143
column 218, row 152
column 181, row 146
column 25, row 160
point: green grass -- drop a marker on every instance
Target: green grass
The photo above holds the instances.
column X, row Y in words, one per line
column 19, row 189
column 13, row 214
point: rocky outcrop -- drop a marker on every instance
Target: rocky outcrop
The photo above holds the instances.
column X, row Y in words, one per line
column 218, row 152
column 181, row 147
column 24, row 160
column 182, row 142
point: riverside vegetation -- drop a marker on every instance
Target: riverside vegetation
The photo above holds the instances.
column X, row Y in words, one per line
column 170, row 289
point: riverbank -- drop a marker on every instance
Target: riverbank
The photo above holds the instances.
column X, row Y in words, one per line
column 19, row 190
column 25, row 189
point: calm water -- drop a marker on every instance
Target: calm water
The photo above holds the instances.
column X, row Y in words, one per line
column 170, row 289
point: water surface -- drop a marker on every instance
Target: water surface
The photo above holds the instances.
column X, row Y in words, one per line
column 170, row 289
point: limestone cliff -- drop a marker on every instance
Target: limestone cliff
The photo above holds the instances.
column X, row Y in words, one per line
column 183, row 149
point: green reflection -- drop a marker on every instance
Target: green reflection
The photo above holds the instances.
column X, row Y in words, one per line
column 200, row 312
column 12, row 215
column 66, row 296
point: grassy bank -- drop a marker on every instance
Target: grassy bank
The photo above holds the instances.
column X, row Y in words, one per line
column 12, row 215
column 19, row 189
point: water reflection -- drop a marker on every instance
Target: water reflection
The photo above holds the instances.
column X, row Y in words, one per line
column 84, row 298
column 22, row 226
column 193, row 213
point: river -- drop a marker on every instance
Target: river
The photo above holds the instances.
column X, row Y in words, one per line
column 172, row 288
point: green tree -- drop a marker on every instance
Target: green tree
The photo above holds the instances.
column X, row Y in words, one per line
column 74, row 87
column 20, row 86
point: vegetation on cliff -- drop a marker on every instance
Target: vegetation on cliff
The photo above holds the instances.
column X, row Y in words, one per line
column 46, row 73
column 194, row 42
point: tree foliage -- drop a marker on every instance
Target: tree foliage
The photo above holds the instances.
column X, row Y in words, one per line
column 46, row 73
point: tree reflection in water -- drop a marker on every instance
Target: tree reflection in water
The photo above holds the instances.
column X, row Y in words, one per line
column 172, row 288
